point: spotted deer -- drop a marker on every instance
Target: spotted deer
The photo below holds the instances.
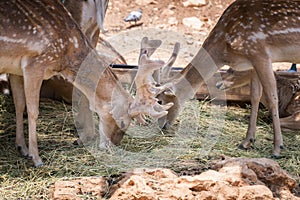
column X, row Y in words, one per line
column 287, row 90
column 291, row 122
column 40, row 39
column 89, row 14
column 250, row 34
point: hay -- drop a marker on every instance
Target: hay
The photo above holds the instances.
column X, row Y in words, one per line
column 186, row 148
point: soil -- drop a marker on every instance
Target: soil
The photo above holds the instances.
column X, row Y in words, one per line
column 160, row 20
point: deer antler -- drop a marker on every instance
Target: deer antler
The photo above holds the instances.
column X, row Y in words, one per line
column 149, row 46
column 164, row 75
column 145, row 101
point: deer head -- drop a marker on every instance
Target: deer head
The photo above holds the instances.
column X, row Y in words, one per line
column 234, row 79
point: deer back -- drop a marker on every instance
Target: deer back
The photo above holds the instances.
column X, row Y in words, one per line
column 249, row 28
column 37, row 29
column 89, row 14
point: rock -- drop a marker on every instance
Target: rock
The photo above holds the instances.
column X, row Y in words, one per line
column 167, row 12
column 194, row 3
column 260, row 171
column 236, row 178
column 171, row 6
column 231, row 179
column 173, row 21
column 192, row 22
column 73, row 189
column 255, row 192
column 145, row 2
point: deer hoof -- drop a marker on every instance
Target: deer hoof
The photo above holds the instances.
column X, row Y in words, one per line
column 166, row 126
column 275, row 156
column 252, row 140
column 78, row 142
column 23, row 151
column 38, row 164
column 241, row 146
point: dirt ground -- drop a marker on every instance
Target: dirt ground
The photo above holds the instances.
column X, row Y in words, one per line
column 160, row 20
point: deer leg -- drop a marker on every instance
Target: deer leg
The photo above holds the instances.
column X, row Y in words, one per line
column 256, row 93
column 17, row 88
column 32, row 84
column 85, row 122
column 110, row 133
column 267, row 78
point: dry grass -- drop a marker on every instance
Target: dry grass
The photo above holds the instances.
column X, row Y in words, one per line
column 202, row 133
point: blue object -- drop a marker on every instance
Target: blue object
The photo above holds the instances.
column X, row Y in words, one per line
column 293, row 68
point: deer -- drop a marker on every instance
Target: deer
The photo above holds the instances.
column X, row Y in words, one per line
column 250, row 34
column 291, row 122
column 286, row 89
column 89, row 14
column 40, row 39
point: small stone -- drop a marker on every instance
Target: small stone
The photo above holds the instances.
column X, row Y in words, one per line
column 193, row 22
column 194, row 3
column 145, row 2
column 167, row 12
column 173, row 21
column 190, row 42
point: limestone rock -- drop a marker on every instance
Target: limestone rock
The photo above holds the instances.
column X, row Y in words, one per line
column 73, row 189
column 230, row 179
column 173, row 21
column 167, row 12
column 194, row 3
column 236, row 178
column 145, row 2
column 193, row 22
column 260, row 171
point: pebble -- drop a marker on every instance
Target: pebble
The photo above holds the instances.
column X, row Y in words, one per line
column 194, row 3
column 193, row 22
column 173, row 21
column 145, row 2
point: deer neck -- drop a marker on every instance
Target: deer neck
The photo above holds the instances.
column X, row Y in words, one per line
column 202, row 67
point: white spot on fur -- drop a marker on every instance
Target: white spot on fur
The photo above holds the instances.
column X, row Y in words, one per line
column 257, row 36
column 285, row 31
column 75, row 42
column 12, row 40
column 34, row 30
